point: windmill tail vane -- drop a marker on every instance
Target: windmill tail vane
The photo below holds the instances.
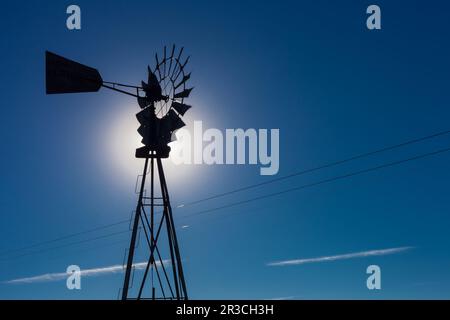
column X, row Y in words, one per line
column 161, row 100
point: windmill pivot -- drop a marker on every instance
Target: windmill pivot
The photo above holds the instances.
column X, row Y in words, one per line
column 145, row 152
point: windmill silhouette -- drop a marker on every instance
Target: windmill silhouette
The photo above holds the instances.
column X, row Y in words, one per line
column 161, row 100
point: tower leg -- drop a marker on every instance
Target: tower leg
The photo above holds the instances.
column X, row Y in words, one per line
column 172, row 233
column 126, row 283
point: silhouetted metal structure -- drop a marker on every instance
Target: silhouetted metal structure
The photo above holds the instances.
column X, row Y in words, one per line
column 161, row 99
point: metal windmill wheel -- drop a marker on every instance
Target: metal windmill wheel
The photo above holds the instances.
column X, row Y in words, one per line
column 163, row 102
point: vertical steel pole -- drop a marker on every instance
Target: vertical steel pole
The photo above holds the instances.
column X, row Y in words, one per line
column 126, row 282
column 171, row 230
column 152, row 214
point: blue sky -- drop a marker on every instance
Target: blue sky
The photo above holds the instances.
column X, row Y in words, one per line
column 309, row 68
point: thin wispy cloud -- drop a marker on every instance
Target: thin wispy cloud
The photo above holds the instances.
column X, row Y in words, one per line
column 346, row 256
column 49, row 277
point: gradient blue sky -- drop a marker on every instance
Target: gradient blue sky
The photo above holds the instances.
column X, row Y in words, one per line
column 309, row 68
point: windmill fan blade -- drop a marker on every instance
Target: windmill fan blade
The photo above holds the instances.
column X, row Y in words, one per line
column 152, row 88
column 171, row 60
column 175, row 120
column 186, row 61
column 181, row 108
column 185, row 78
column 142, row 130
column 180, row 53
column 183, row 94
column 66, row 76
column 164, row 62
column 152, row 79
column 172, row 121
column 143, row 102
column 157, row 61
column 144, row 116
column 157, row 65
column 165, row 129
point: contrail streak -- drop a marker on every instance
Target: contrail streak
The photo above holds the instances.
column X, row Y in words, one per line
column 362, row 254
column 84, row 273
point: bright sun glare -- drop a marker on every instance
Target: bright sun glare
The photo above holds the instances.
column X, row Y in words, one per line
column 124, row 139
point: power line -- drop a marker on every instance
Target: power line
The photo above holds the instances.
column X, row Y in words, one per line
column 66, row 245
column 294, row 174
column 38, row 244
column 313, row 184
column 331, row 164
